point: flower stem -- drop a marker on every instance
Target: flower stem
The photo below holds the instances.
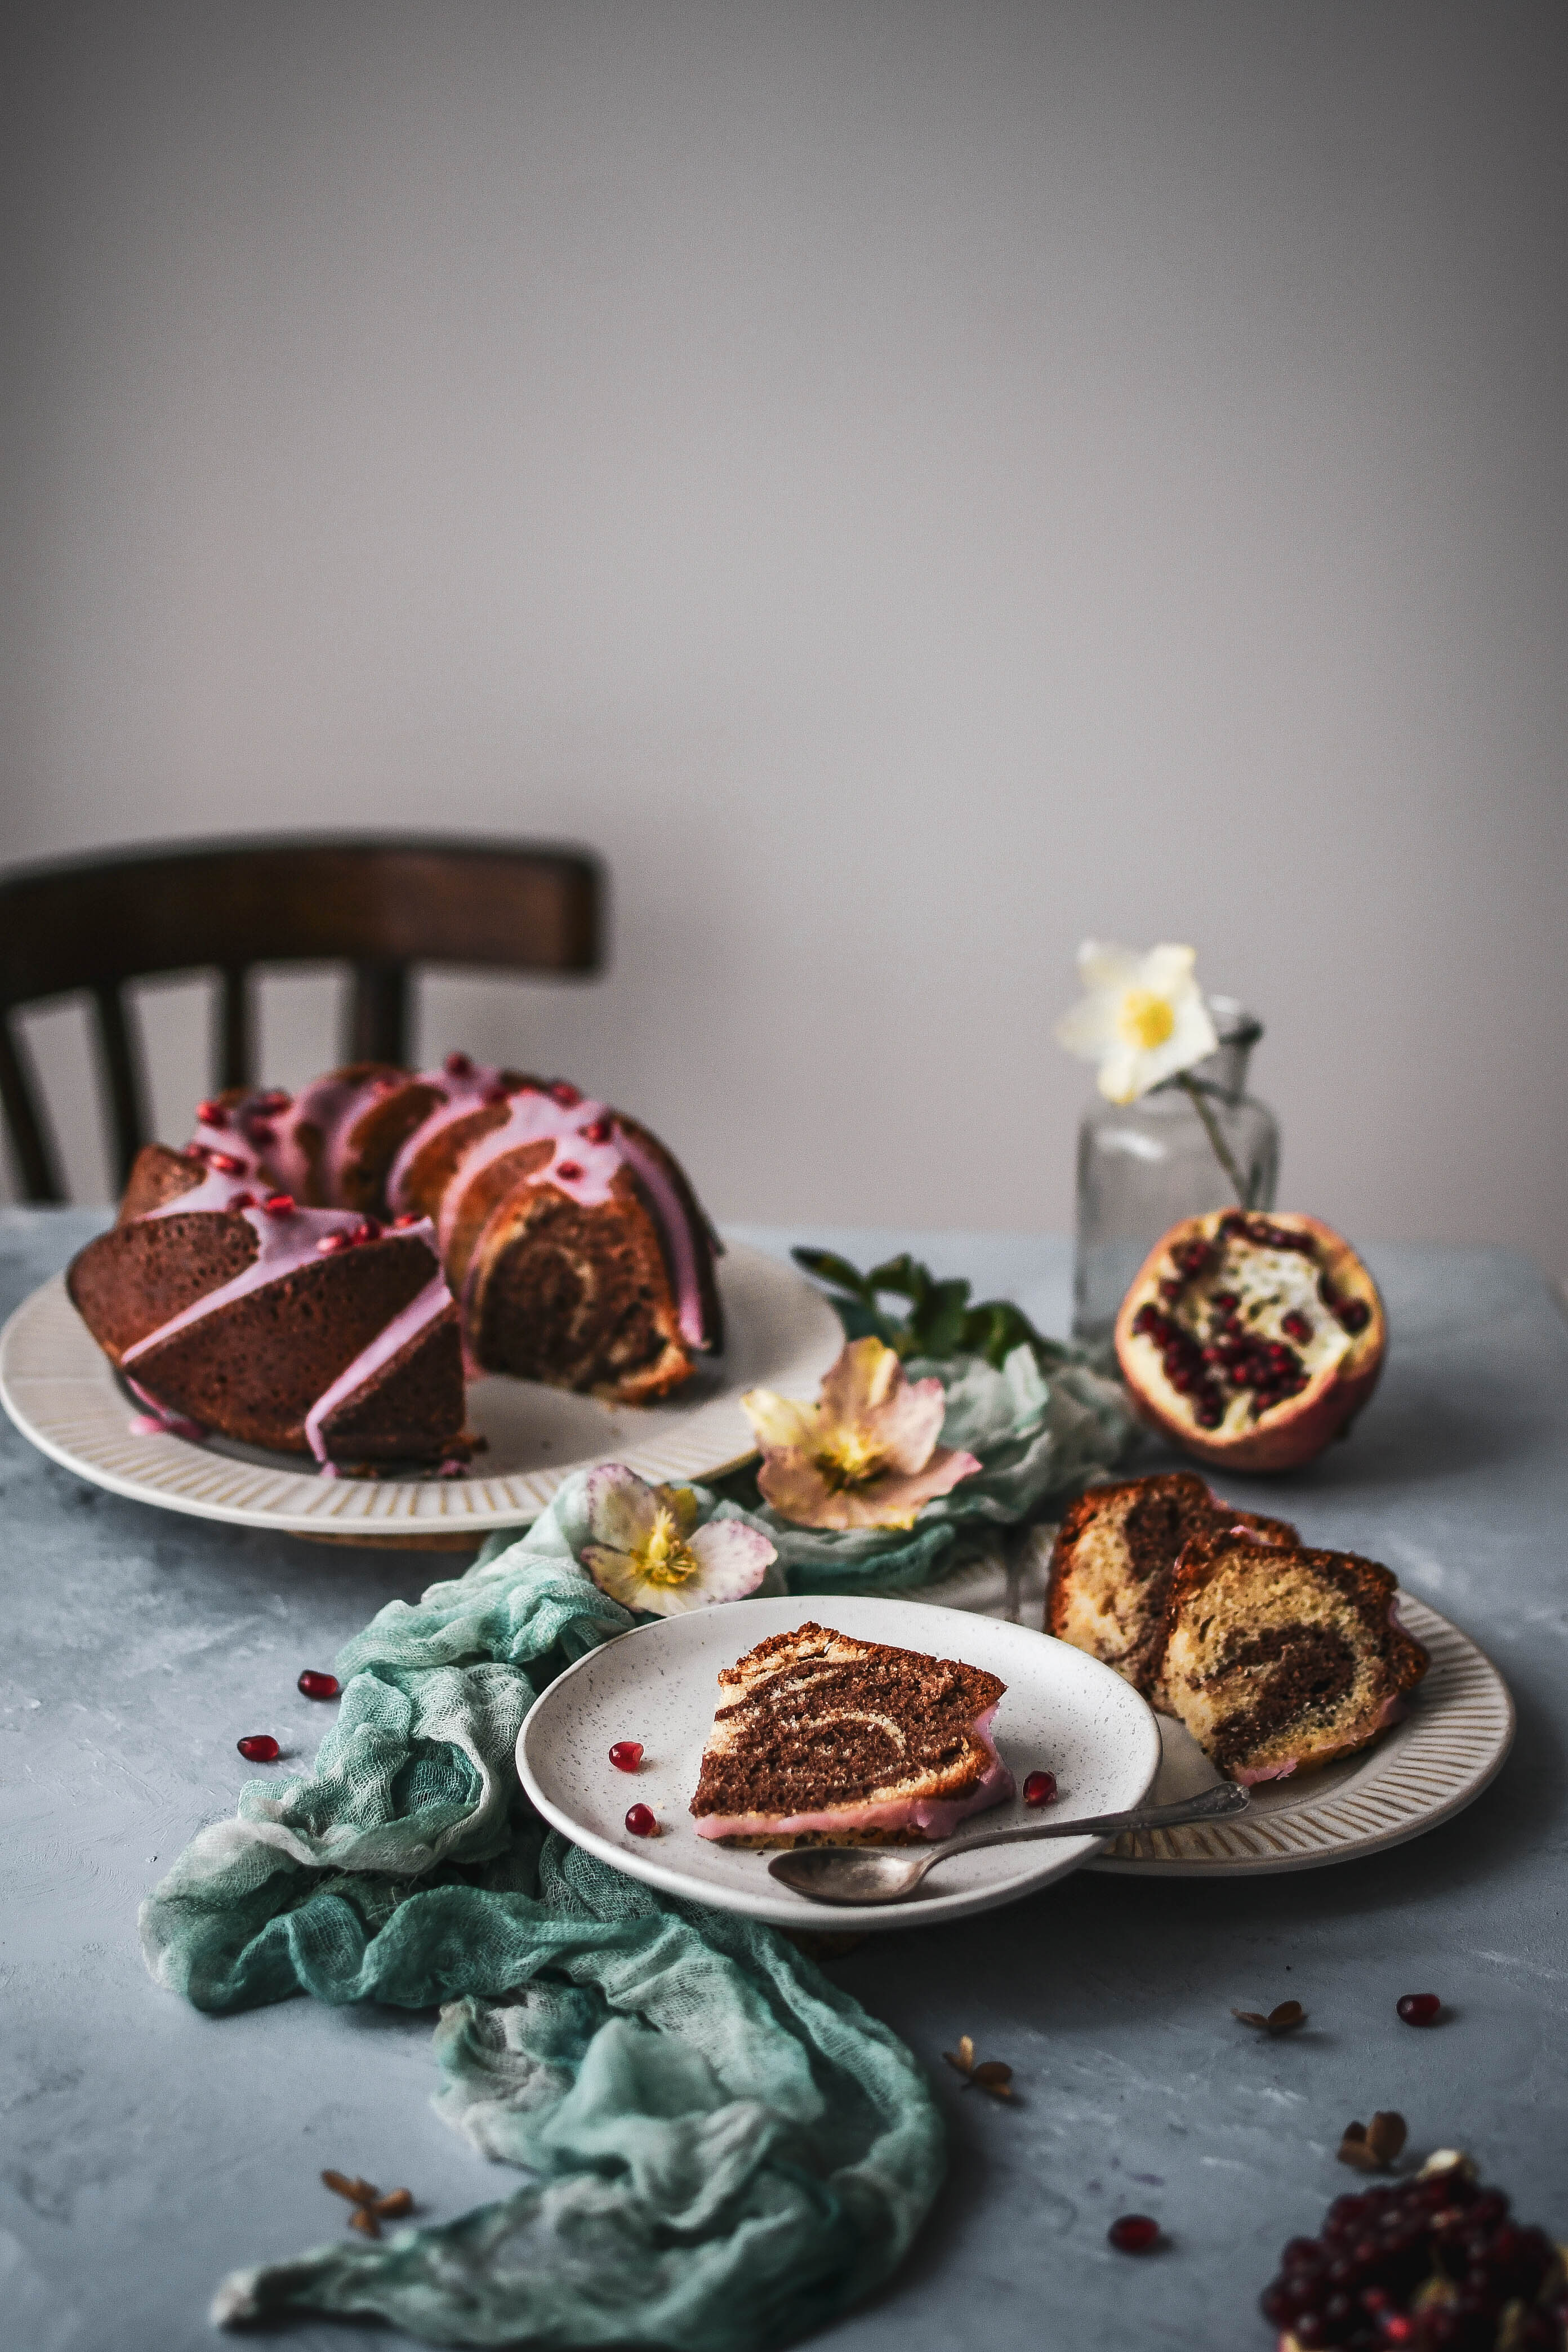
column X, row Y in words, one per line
column 1221, row 1150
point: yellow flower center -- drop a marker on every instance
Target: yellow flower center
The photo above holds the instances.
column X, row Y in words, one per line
column 848, row 1459
column 665, row 1557
column 1144, row 1019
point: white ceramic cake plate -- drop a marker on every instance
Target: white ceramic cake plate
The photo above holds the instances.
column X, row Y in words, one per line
column 1426, row 1768
column 1449, row 1748
column 1063, row 1712
column 66, row 1398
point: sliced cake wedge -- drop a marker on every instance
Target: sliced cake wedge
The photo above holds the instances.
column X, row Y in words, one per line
column 1115, row 1555
column 821, row 1739
column 1277, row 1658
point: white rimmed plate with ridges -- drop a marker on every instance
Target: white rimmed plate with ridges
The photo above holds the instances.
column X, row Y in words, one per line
column 1063, row 1712
column 1415, row 1777
column 65, row 1396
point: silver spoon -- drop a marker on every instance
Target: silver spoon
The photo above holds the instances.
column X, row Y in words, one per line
column 886, row 1873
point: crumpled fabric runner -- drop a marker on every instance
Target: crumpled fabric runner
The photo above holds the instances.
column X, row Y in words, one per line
column 725, row 2151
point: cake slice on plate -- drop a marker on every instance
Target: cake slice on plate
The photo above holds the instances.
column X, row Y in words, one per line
column 1277, row 1658
column 820, row 1739
column 1115, row 1555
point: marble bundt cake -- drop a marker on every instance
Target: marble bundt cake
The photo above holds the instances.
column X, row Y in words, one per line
column 371, row 1233
column 820, row 1739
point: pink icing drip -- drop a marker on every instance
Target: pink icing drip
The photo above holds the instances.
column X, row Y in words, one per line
column 432, row 1301
column 159, row 1419
column 934, row 1817
column 676, row 1229
column 331, row 1105
column 286, row 1244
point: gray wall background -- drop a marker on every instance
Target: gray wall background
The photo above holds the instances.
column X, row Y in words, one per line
column 909, row 484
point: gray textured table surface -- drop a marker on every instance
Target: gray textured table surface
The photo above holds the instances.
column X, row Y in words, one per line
column 145, row 2150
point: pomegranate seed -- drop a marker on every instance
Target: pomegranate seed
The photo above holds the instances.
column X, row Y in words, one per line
column 211, row 1114
column 1296, row 1326
column 495, row 1094
column 568, row 1171
column 626, row 1755
column 258, row 1748
column 1419, row 2008
column 1134, row 2233
column 279, row 1204
column 263, row 1131
column 1354, row 1316
column 1040, row 1788
column 367, row 1230
column 315, row 1685
column 330, row 1244
column 409, row 1217
column 596, row 1131
column 225, row 1163
column 459, row 1066
column 641, row 1822
column 563, row 1092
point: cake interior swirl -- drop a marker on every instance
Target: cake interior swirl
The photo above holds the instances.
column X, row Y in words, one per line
column 821, row 1739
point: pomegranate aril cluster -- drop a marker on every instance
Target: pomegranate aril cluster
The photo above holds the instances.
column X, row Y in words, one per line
column 1441, row 2244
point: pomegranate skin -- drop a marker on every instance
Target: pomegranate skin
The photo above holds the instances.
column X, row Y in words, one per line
column 1295, row 1430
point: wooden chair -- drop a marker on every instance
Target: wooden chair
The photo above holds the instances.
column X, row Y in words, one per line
column 381, row 906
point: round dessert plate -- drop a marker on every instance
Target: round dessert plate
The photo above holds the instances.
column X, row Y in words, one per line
column 1063, row 1712
column 1423, row 1771
column 63, row 1395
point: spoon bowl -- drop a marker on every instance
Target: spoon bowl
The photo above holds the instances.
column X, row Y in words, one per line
column 887, row 1874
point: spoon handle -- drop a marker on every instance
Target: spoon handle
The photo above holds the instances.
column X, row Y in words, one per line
column 1213, row 1805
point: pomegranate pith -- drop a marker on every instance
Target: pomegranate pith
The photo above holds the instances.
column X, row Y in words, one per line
column 1224, row 1341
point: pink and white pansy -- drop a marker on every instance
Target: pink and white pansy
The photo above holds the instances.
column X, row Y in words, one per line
column 646, row 1550
column 866, row 1455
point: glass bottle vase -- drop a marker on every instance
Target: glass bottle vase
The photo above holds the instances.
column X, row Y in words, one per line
column 1143, row 1166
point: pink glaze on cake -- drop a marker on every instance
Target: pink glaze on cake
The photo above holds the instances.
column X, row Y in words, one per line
column 287, row 1240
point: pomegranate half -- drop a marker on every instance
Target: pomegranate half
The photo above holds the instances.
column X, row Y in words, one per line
column 1251, row 1340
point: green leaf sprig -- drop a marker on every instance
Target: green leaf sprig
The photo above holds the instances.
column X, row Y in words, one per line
column 940, row 1320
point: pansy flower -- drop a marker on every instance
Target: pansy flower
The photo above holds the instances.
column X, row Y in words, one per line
column 866, row 1455
column 646, row 1550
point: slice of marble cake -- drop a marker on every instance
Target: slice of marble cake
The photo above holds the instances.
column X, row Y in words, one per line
column 820, row 1739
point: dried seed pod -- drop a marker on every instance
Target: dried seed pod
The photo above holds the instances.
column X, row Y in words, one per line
column 993, row 2076
column 1372, row 2147
column 1283, row 2019
column 362, row 2218
column 962, row 2057
column 395, row 2204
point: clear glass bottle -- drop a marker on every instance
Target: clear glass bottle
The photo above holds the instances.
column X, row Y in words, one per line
column 1143, row 1166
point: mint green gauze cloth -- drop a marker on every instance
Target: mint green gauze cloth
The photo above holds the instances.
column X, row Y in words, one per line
column 724, row 2151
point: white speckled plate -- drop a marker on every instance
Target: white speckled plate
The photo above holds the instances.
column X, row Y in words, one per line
column 1062, row 1712
column 65, row 1396
column 1428, row 1767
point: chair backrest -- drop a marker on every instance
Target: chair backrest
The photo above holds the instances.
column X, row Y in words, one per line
column 378, row 905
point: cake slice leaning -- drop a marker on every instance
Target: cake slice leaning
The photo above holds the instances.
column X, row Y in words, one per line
column 821, row 1739
column 1114, row 1557
column 1278, row 1659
